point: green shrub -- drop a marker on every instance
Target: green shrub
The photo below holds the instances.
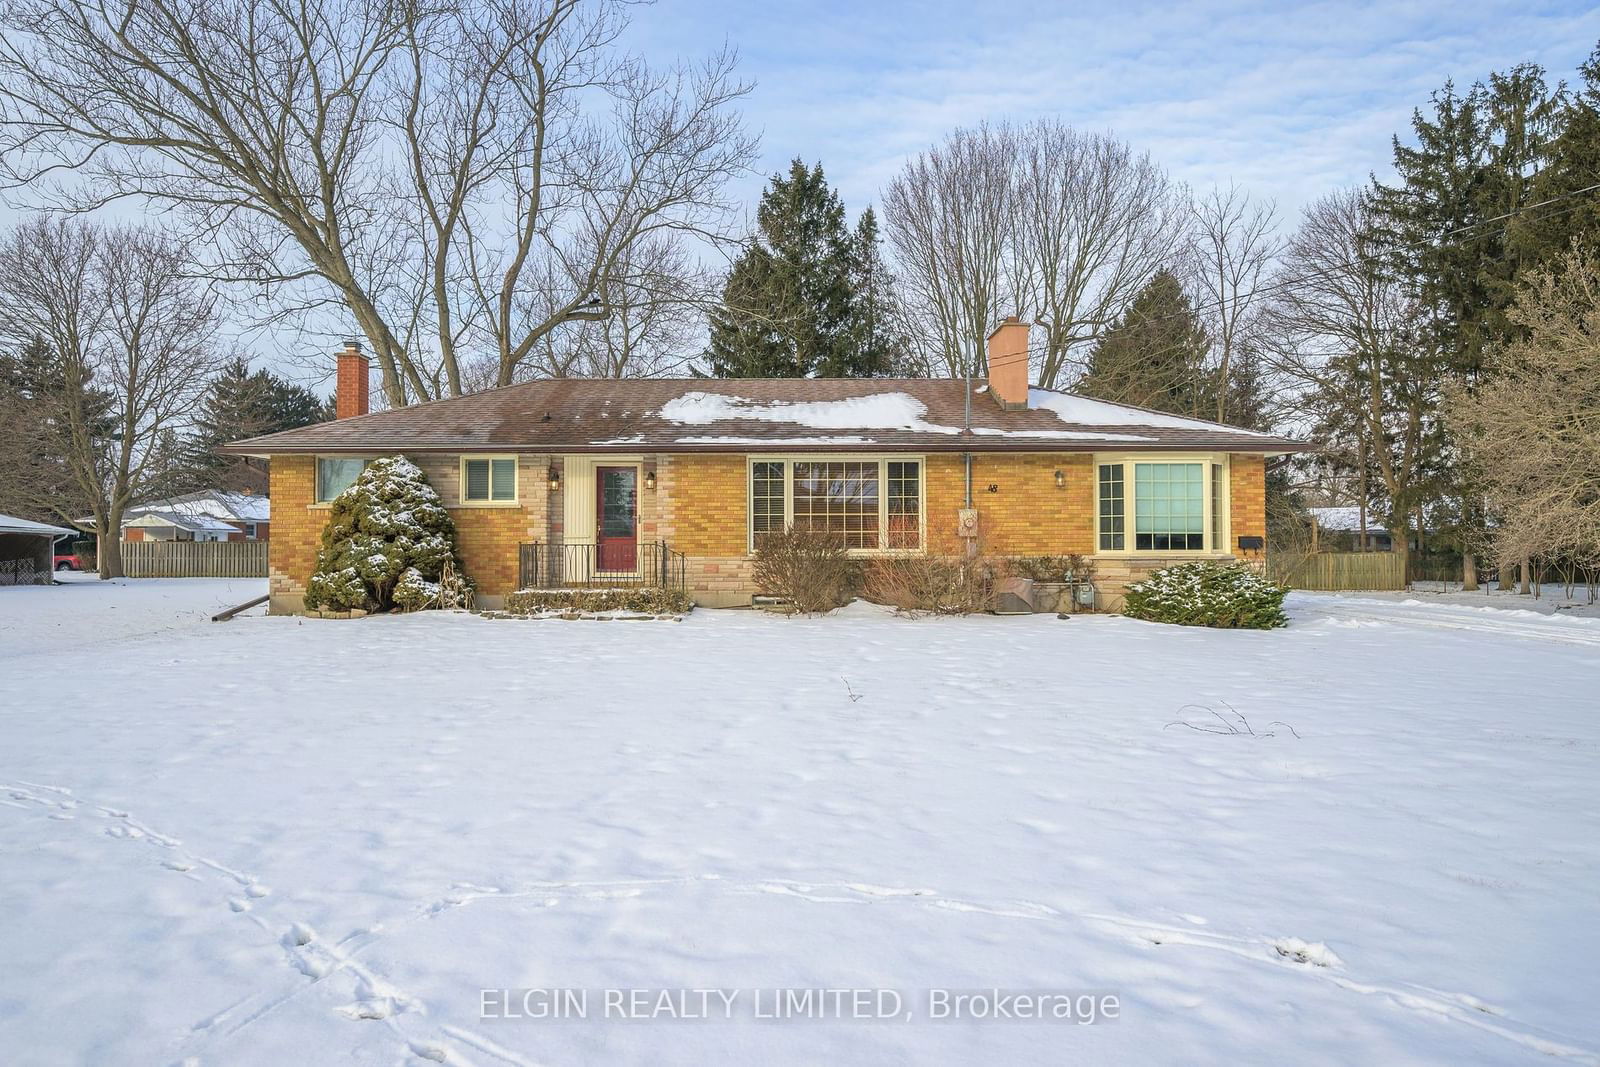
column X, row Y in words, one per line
column 389, row 543
column 646, row 600
column 1208, row 594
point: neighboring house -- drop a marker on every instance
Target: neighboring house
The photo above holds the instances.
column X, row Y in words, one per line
column 573, row 480
column 27, row 550
column 247, row 515
column 171, row 526
column 1339, row 530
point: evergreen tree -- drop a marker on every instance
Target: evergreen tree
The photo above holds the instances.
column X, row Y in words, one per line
column 1545, row 235
column 36, row 480
column 1472, row 170
column 1451, row 222
column 1154, row 355
column 878, row 342
column 243, row 403
column 790, row 306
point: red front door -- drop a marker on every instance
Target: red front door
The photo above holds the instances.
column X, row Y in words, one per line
column 616, row 519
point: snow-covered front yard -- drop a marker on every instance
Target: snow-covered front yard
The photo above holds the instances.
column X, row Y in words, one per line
column 303, row 841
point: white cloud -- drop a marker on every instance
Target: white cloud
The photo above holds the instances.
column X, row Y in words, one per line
column 1292, row 101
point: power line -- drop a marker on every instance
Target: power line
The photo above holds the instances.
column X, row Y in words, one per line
column 1307, row 276
column 1525, row 207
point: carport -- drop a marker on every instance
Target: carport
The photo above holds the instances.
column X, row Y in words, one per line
column 26, row 550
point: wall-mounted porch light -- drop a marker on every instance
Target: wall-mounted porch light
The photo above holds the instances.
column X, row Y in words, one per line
column 650, row 480
column 555, row 478
column 1061, row 479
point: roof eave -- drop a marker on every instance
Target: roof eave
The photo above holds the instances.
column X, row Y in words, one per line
column 1275, row 447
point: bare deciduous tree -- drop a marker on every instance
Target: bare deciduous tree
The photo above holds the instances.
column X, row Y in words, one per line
column 1346, row 332
column 1532, row 428
column 949, row 217
column 1094, row 223
column 130, row 338
column 1232, row 244
column 465, row 177
column 1039, row 220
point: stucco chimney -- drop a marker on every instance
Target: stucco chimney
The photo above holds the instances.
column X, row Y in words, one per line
column 350, row 385
column 1008, row 363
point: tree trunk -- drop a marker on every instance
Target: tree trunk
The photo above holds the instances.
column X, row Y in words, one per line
column 1507, row 577
column 1361, row 543
column 108, row 555
column 1527, row 567
column 1469, row 573
column 1420, row 546
column 1400, row 541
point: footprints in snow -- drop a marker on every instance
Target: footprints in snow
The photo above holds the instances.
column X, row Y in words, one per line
column 374, row 998
column 1313, row 952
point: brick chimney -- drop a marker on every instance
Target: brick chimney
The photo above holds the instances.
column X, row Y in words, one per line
column 1008, row 363
column 350, row 385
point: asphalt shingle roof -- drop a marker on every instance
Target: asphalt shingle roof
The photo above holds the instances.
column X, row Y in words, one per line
column 745, row 414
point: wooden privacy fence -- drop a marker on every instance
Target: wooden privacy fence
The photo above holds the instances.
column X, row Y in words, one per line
column 1336, row 571
column 194, row 559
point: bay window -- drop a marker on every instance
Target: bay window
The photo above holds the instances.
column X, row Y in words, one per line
column 873, row 504
column 1178, row 504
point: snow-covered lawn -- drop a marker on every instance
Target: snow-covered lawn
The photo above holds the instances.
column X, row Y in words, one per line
column 276, row 840
column 1552, row 599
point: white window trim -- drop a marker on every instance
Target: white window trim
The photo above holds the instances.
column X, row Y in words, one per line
column 516, row 481
column 316, row 478
column 1130, row 510
column 882, row 459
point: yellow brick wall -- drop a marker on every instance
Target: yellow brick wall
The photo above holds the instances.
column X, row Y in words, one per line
column 703, row 503
column 296, row 530
column 1026, row 515
column 1248, row 501
column 700, row 509
column 487, row 537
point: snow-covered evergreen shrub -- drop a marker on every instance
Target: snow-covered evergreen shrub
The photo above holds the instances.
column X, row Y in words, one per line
column 1207, row 594
column 388, row 543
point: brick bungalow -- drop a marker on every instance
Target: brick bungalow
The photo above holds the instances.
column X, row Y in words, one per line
column 560, row 481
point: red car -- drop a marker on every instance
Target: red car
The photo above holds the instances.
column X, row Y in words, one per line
column 66, row 562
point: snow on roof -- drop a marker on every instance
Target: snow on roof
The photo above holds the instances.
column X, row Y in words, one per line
column 247, row 507
column 12, row 525
column 1080, row 410
column 194, row 523
column 878, row 411
column 1344, row 518
column 837, row 439
column 241, row 507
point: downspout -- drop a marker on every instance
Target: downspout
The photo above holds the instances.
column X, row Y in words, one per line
column 966, row 433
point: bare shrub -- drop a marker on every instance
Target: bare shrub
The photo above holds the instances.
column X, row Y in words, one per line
column 940, row 583
column 1069, row 567
column 811, row 569
column 1530, row 430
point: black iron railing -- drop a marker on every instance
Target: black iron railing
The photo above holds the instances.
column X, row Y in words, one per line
column 564, row 566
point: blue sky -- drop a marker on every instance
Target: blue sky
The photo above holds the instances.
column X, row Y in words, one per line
column 1291, row 101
